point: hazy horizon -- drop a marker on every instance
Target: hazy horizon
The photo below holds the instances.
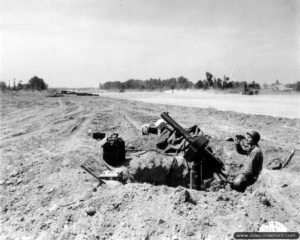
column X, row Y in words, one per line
column 84, row 43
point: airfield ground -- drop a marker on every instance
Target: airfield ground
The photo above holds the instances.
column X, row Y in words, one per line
column 46, row 195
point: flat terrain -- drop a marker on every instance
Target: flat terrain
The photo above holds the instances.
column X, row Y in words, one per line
column 46, row 195
column 272, row 104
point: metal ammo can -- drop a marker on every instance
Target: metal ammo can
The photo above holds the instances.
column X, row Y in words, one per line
column 114, row 150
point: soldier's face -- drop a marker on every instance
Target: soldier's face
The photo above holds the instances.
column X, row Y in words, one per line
column 249, row 140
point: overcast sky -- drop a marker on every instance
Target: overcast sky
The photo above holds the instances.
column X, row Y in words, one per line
column 82, row 43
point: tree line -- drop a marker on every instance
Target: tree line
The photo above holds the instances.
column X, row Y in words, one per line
column 294, row 86
column 178, row 83
column 35, row 83
column 150, row 84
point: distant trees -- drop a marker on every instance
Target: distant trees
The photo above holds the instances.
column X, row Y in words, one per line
column 294, row 86
column 209, row 82
column 3, row 86
column 184, row 83
column 19, row 86
column 35, row 83
column 298, row 86
column 150, row 84
column 217, row 83
column 199, row 84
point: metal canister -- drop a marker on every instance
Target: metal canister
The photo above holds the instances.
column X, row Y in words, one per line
column 194, row 176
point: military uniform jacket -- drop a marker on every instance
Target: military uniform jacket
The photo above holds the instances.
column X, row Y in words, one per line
column 254, row 163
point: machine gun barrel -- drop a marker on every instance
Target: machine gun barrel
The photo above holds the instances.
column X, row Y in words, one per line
column 177, row 127
column 197, row 144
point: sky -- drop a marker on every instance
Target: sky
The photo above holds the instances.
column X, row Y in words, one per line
column 74, row 43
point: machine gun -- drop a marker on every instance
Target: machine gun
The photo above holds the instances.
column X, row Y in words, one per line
column 198, row 154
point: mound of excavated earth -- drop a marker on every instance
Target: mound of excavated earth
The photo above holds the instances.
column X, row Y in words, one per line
column 46, row 195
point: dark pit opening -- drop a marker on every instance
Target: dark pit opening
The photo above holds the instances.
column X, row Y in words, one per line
column 159, row 169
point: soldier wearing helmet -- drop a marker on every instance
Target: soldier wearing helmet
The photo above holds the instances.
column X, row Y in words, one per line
column 253, row 166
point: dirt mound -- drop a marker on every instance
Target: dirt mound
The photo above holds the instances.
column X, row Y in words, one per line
column 158, row 169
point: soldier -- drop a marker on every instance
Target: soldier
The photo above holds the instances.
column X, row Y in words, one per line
column 253, row 166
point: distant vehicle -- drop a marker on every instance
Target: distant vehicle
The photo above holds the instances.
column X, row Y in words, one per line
column 250, row 91
column 251, row 88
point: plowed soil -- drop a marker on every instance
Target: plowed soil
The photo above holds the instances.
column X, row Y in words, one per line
column 46, row 195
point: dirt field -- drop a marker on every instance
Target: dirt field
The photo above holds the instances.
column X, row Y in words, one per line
column 46, row 195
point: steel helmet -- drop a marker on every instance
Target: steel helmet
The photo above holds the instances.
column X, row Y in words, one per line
column 255, row 136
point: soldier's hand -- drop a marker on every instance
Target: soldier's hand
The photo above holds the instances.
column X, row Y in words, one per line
column 243, row 143
column 237, row 140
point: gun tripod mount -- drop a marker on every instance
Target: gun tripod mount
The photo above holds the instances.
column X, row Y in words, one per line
column 197, row 153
